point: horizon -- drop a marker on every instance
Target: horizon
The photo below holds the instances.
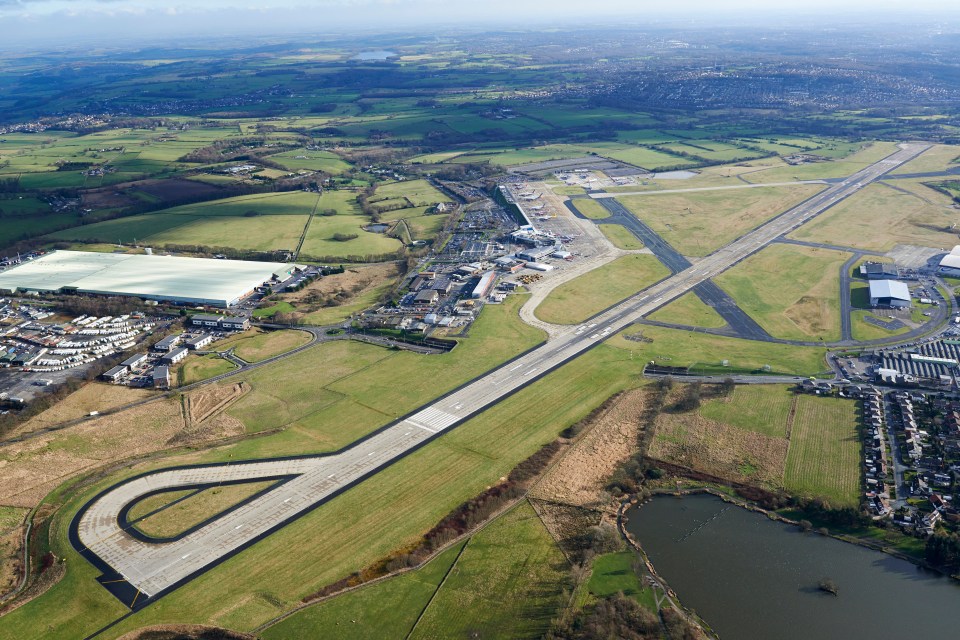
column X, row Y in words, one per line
column 39, row 25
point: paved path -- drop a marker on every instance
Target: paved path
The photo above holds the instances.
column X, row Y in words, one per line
column 138, row 569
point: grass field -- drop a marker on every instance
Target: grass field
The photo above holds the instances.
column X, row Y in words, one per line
column 198, row 368
column 691, row 311
column 938, row 158
column 95, row 396
column 879, row 217
column 385, row 610
column 412, row 193
column 791, row 291
column 705, row 352
column 621, row 237
column 824, row 455
column 699, row 223
column 198, row 507
column 590, row 208
column 582, row 297
column 613, row 573
column 258, row 344
column 148, row 505
column 507, row 582
column 759, row 408
column 862, row 330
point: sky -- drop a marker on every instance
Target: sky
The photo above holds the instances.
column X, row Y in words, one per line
column 74, row 22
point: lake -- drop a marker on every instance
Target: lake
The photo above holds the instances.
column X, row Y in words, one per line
column 750, row 577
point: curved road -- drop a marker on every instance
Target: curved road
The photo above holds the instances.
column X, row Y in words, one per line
column 139, row 570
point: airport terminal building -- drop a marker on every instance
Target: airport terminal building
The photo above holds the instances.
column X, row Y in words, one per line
column 219, row 283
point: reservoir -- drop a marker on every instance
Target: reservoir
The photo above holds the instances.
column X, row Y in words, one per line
column 751, row 578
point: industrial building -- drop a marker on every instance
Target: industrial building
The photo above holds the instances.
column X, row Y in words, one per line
column 950, row 264
column 134, row 360
column 168, row 343
column 889, row 293
column 879, row 271
column 115, row 373
column 224, row 323
column 175, row 356
column 199, row 342
column 485, row 285
column 221, row 283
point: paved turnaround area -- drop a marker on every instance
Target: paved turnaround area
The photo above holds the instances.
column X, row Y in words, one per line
column 138, row 569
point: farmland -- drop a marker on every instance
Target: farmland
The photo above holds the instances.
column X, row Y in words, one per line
column 798, row 296
column 589, row 294
column 824, row 455
column 700, row 223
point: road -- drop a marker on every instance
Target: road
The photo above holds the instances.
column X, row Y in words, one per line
column 138, row 570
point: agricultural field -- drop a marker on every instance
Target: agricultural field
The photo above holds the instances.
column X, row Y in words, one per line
column 311, row 160
column 591, row 293
column 689, row 310
column 697, row 224
column 410, row 193
column 260, row 344
column 798, row 297
column 824, row 455
column 257, row 222
column 621, row 237
column 879, row 217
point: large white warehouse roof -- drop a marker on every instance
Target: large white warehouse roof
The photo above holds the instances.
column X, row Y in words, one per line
column 192, row 280
column 889, row 289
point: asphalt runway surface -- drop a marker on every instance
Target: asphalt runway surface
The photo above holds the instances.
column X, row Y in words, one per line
column 138, row 569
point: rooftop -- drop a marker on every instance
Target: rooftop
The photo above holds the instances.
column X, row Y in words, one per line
column 197, row 280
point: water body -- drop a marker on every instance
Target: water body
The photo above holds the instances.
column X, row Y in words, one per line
column 377, row 228
column 752, row 578
column 374, row 55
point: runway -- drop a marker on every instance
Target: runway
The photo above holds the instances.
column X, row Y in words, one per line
column 138, row 570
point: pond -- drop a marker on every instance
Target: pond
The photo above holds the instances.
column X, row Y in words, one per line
column 750, row 577
column 377, row 228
